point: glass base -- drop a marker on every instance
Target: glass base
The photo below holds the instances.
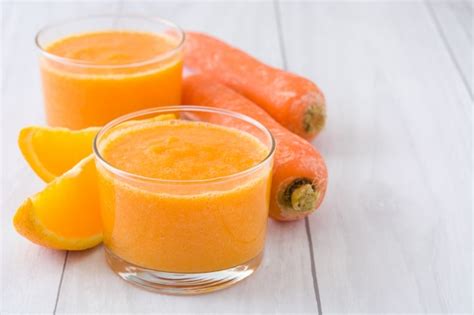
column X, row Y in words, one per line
column 181, row 283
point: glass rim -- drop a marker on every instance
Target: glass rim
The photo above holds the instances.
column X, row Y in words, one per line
column 85, row 64
column 163, row 110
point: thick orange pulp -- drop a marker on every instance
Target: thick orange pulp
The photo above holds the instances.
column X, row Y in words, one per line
column 104, row 75
column 184, row 227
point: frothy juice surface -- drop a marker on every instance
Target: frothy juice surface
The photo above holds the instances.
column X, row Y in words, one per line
column 108, row 74
column 175, row 227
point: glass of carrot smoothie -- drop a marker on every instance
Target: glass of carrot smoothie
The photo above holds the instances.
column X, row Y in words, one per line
column 184, row 196
column 99, row 68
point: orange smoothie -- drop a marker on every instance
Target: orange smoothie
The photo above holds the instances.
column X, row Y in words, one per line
column 91, row 78
column 207, row 209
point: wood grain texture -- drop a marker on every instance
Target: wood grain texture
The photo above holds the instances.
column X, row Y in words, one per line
column 283, row 283
column 454, row 23
column 394, row 234
column 30, row 275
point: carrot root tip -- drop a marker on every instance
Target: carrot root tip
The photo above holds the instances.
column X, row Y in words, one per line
column 300, row 195
column 314, row 119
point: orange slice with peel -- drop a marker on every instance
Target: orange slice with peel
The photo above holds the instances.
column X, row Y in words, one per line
column 51, row 151
column 65, row 215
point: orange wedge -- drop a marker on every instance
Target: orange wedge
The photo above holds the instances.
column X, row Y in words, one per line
column 66, row 214
column 52, row 151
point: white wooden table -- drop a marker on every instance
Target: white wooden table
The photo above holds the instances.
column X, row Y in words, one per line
column 395, row 231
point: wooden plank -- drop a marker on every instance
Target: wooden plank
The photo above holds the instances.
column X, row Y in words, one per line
column 283, row 283
column 463, row 10
column 30, row 274
column 453, row 21
column 394, row 233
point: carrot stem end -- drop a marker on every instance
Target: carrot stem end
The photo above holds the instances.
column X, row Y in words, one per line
column 314, row 119
column 300, row 195
column 304, row 198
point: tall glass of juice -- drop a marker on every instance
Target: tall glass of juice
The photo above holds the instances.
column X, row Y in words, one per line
column 99, row 68
column 184, row 197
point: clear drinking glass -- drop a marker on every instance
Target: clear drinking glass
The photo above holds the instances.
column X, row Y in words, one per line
column 124, row 64
column 185, row 236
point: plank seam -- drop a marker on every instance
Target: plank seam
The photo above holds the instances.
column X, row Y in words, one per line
column 313, row 266
column 448, row 48
column 308, row 231
column 60, row 282
column 280, row 33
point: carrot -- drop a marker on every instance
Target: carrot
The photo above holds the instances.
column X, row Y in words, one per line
column 299, row 173
column 295, row 102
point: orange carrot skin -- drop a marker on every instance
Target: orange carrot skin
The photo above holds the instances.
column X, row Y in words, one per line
column 285, row 96
column 294, row 157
